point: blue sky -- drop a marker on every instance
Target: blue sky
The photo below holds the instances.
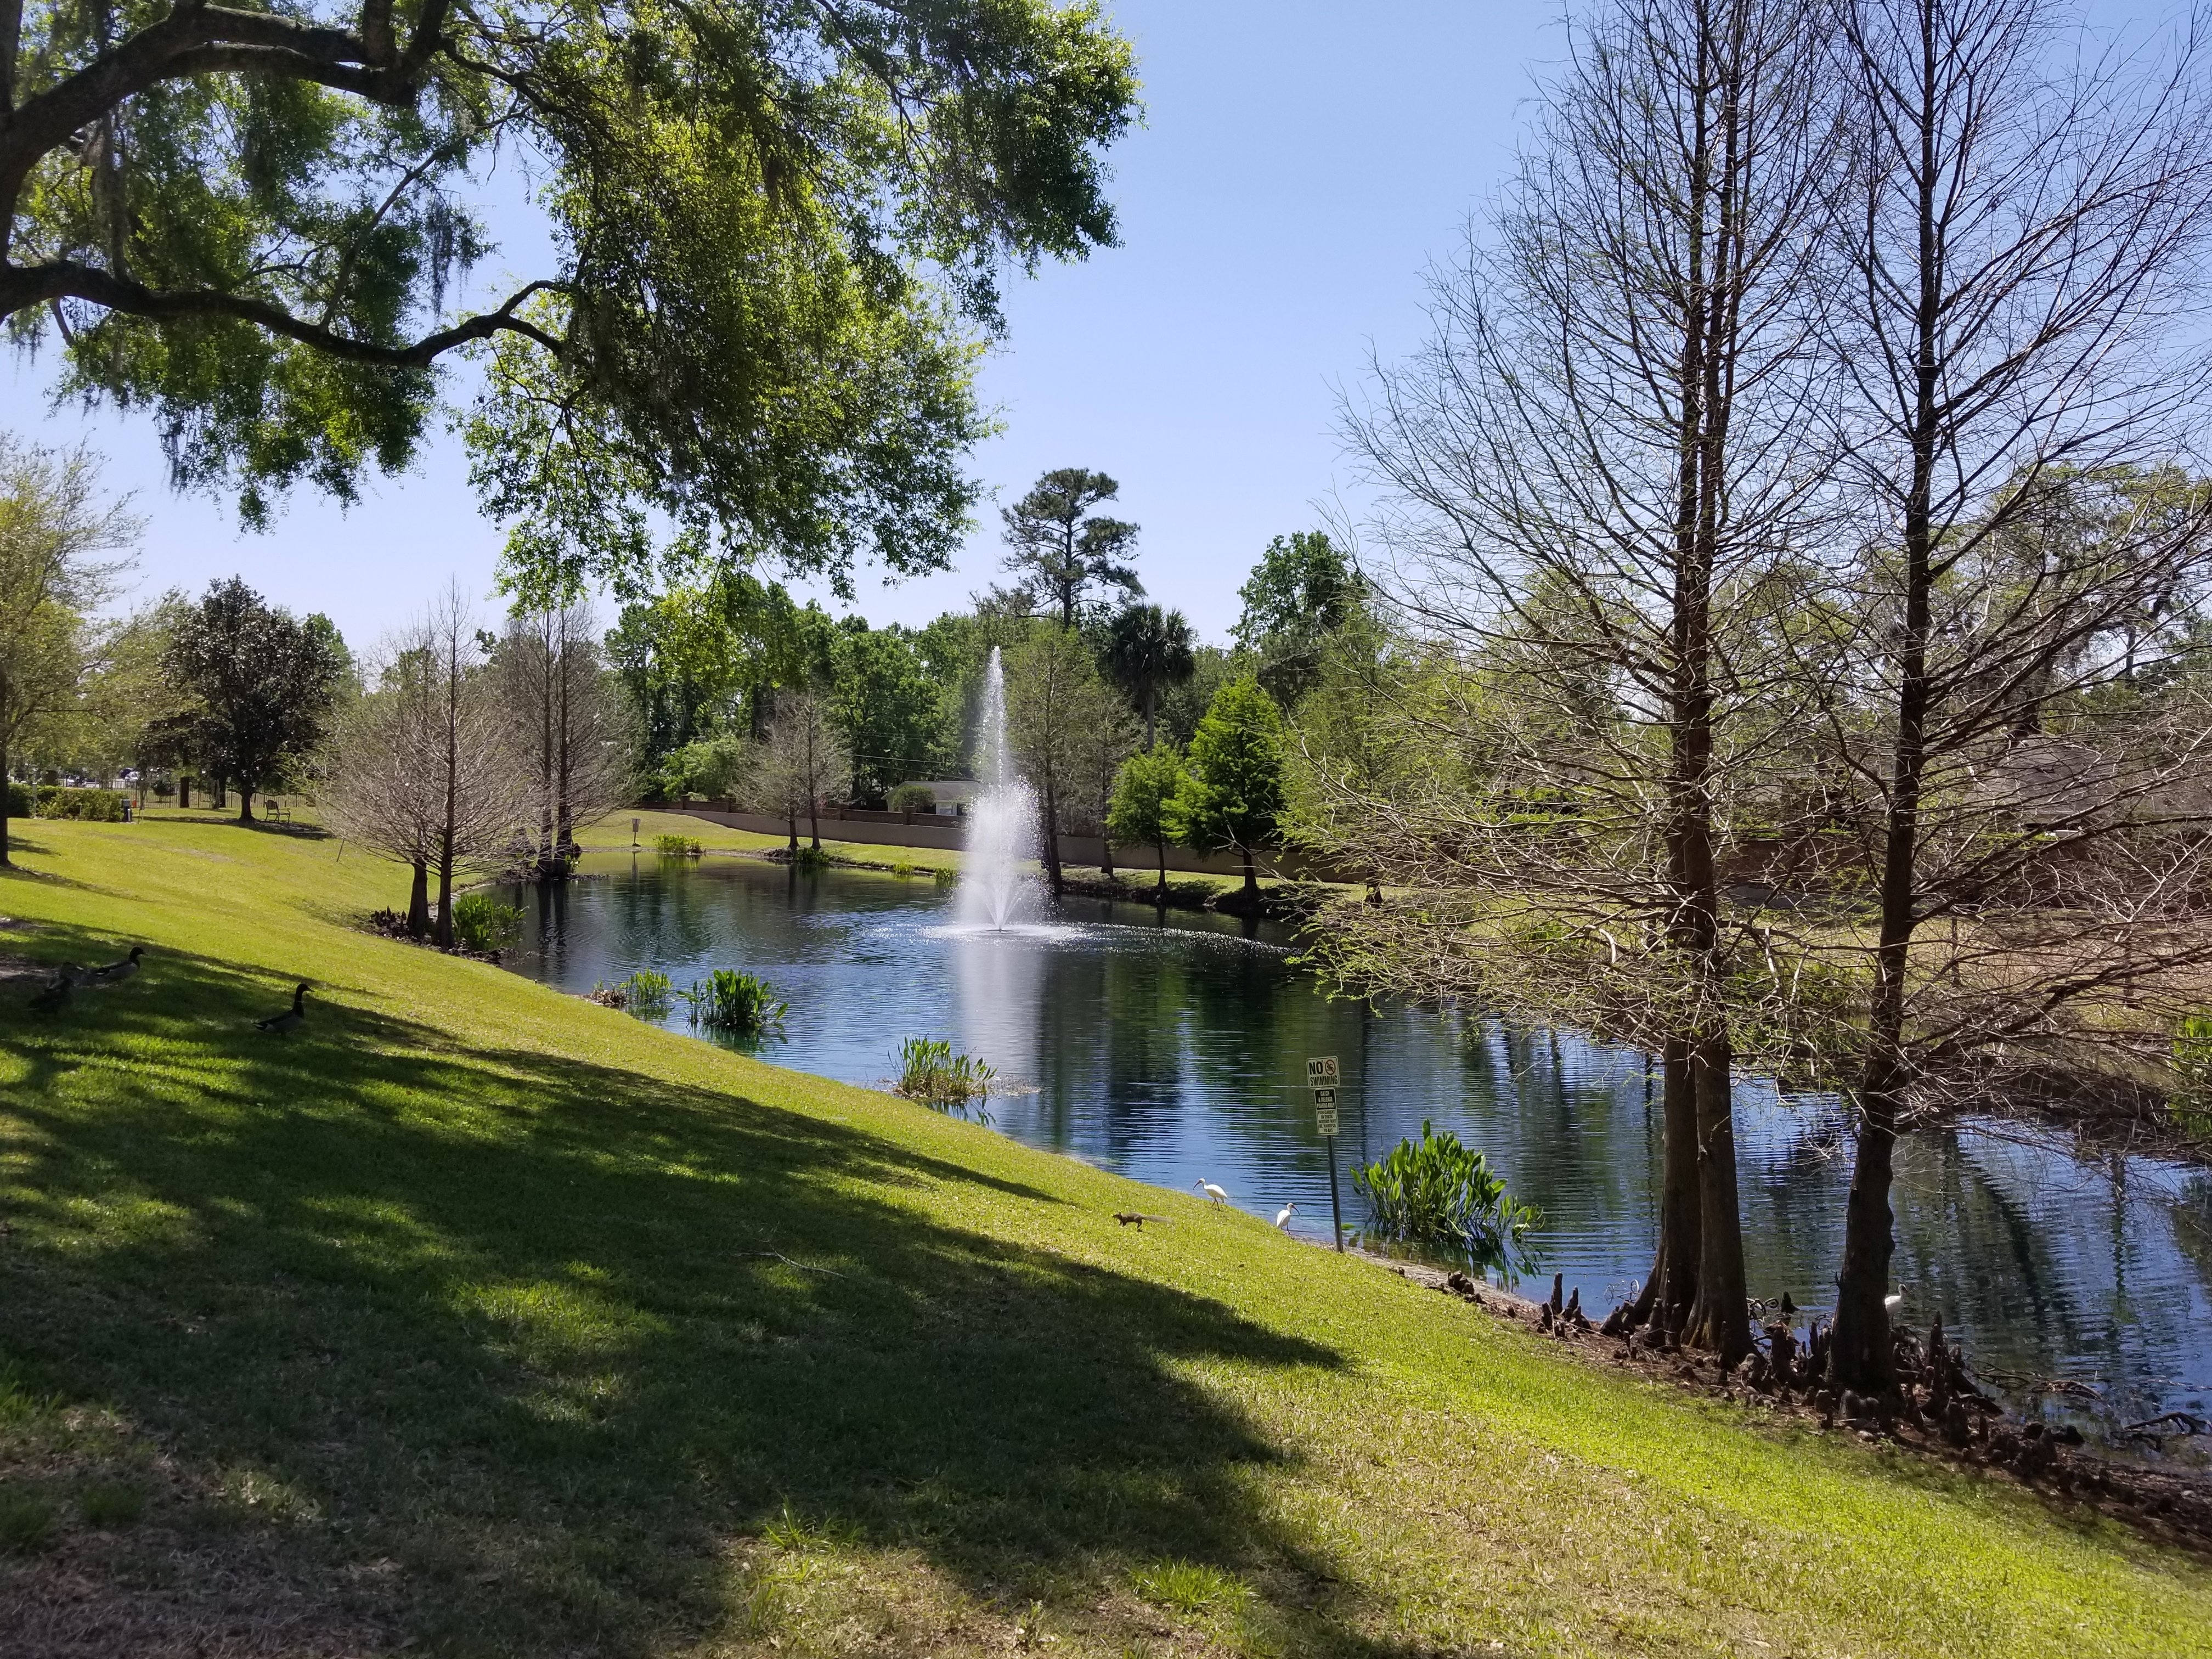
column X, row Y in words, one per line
column 1300, row 164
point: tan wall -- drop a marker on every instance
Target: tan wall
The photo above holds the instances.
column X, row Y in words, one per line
column 949, row 833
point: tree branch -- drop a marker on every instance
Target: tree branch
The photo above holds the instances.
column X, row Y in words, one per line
column 66, row 279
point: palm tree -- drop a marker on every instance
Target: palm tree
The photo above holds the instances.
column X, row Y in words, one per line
column 1148, row 650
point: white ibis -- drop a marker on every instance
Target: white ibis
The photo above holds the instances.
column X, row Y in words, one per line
column 1217, row 1195
column 1283, row 1216
column 292, row 1019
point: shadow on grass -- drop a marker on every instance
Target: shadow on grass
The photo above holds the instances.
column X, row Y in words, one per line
column 549, row 1333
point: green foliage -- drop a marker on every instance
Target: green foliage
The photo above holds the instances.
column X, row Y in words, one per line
column 772, row 231
column 913, row 797
column 645, row 994
column 259, row 683
column 1438, row 1192
column 891, row 710
column 20, row 800
column 1232, row 794
column 1142, row 790
column 1148, row 651
column 710, row 767
column 944, row 876
column 1302, row 591
column 738, row 1003
column 2191, row 1103
column 677, row 847
column 812, row 858
column 86, row 806
column 481, row 922
column 929, row 1070
column 1062, row 551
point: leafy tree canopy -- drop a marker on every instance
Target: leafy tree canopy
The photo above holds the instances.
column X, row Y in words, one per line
column 261, row 683
column 1302, row 591
column 1061, row 550
column 1231, row 796
column 775, row 223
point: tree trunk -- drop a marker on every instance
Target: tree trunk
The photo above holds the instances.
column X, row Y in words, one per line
column 1052, row 837
column 1720, row 1320
column 814, row 820
column 791, row 818
column 418, row 900
column 445, row 934
column 1859, row 1356
column 1161, row 848
column 1251, row 883
column 246, row 800
column 7, row 860
column 1152, row 703
column 1105, row 854
column 1671, row 1288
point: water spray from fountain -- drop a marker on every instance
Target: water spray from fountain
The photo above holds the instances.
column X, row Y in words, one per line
column 1001, row 824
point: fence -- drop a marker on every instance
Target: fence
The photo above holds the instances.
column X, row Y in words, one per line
column 949, row 834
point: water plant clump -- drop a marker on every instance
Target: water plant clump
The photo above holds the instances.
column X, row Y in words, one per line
column 740, row 1003
column 811, row 858
column 645, row 993
column 930, row 1071
column 2191, row 1103
column 1437, row 1192
column 481, row 923
column 677, row 847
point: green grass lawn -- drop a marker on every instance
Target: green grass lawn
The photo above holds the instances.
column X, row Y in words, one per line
column 474, row 1317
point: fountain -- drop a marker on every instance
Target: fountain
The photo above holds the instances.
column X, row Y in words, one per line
column 1001, row 823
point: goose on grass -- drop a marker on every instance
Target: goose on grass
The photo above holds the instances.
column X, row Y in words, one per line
column 292, row 1019
column 116, row 972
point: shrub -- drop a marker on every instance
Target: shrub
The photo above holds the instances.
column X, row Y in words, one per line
column 481, row 922
column 913, row 798
column 1439, row 1192
column 811, row 858
column 677, row 847
column 727, row 1000
column 20, row 800
column 2191, row 1103
column 930, row 1071
column 86, row 806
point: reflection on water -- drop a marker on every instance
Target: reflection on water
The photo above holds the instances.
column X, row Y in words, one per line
column 1172, row 1049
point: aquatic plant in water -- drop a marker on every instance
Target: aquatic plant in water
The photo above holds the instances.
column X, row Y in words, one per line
column 727, row 1000
column 1437, row 1192
column 677, row 847
column 481, row 922
column 929, row 1070
column 644, row 993
column 2191, row 1103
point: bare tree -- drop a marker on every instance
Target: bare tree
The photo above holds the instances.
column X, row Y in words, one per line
column 1592, row 475
column 1055, row 702
column 53, row 528
column 2023, row 245
column 422, row 769
column 804, row 762
column 566, row 712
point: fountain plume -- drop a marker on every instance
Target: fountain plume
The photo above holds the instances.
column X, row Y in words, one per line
column 1002, row 823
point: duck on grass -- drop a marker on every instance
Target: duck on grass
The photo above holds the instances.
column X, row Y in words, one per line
column 1439, row 1194
column 741, row 1004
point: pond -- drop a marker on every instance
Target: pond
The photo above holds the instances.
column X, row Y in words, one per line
column 1171, row 1047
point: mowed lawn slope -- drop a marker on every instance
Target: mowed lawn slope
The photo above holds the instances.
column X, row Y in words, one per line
column 479, row 1319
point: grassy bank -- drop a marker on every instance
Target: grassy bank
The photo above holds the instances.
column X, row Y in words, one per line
column 474, row 1316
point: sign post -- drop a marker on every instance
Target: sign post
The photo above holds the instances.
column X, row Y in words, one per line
column 1322, row 1078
